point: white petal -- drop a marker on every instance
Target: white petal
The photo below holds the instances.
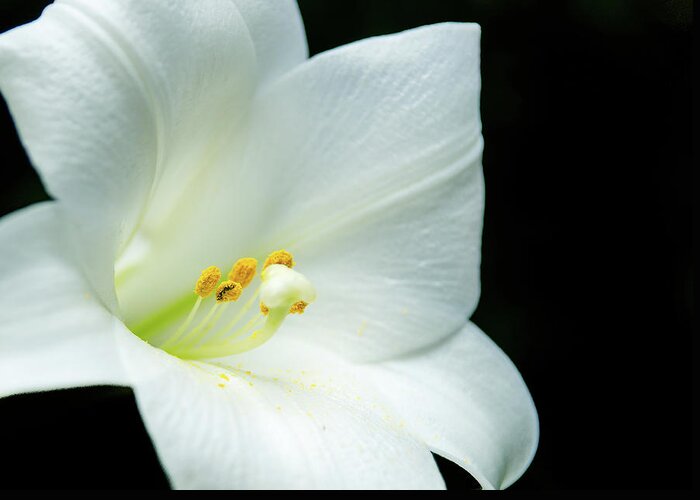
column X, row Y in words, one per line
column 372, row 158
column 260, row 433
column 365, row 162
column 278, row 35
column 462, row 396
column 122, row 102
column 466, row 399
column 53, row 332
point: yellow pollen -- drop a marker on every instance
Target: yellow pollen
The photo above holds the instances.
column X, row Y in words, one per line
column 243, row 271
column 298, row 307
column 228, row 291
column 279, row 257
column 264, row 309
column 207, row 281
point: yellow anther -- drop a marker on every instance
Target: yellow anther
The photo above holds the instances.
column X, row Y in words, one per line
column 298, row 307
column 264, row 309
column 243, row 271
column 207, row 281
column 228, row 291
column 279, row 257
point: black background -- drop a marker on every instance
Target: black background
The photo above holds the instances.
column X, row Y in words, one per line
column 586, row 274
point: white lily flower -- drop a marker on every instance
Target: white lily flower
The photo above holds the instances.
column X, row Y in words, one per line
column 175, row 136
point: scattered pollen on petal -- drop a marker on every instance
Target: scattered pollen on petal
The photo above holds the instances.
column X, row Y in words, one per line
column 279, row 257
column 243, row 271
column 224, row 376
column 298, row 307
column 228, row 291
column 207, row 281
column 264, row 309
column 221, row 385
column 363, row 327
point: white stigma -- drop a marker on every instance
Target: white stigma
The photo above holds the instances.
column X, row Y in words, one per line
column 282, row 287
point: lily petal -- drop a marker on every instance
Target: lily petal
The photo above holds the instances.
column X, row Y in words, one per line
column 468, row 402
column 365, row 161
column 216, row 427
column 372, row 155
column 104, row 94
column 54, row 333
column 462, row 397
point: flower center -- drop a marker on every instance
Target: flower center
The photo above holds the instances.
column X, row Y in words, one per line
column 217, row 325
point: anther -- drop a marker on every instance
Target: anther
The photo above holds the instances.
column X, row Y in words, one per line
column 279, row 257
column 243, row 271
column 298, row 307
column 207, row 281
column 228, row 291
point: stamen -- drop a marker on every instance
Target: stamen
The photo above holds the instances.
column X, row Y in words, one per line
column 243, row 271
column 279, row 257
column 204, row 325
column 187, row 321
column 255, row 339
column 243, row 310
column 205, row 285
column 207, row 281
column 252, row 322
column 228, row 291
column 282, row 291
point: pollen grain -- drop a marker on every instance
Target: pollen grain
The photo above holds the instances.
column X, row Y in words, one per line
column 298, row 307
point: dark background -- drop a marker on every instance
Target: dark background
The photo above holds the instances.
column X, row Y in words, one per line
column 587, row 272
